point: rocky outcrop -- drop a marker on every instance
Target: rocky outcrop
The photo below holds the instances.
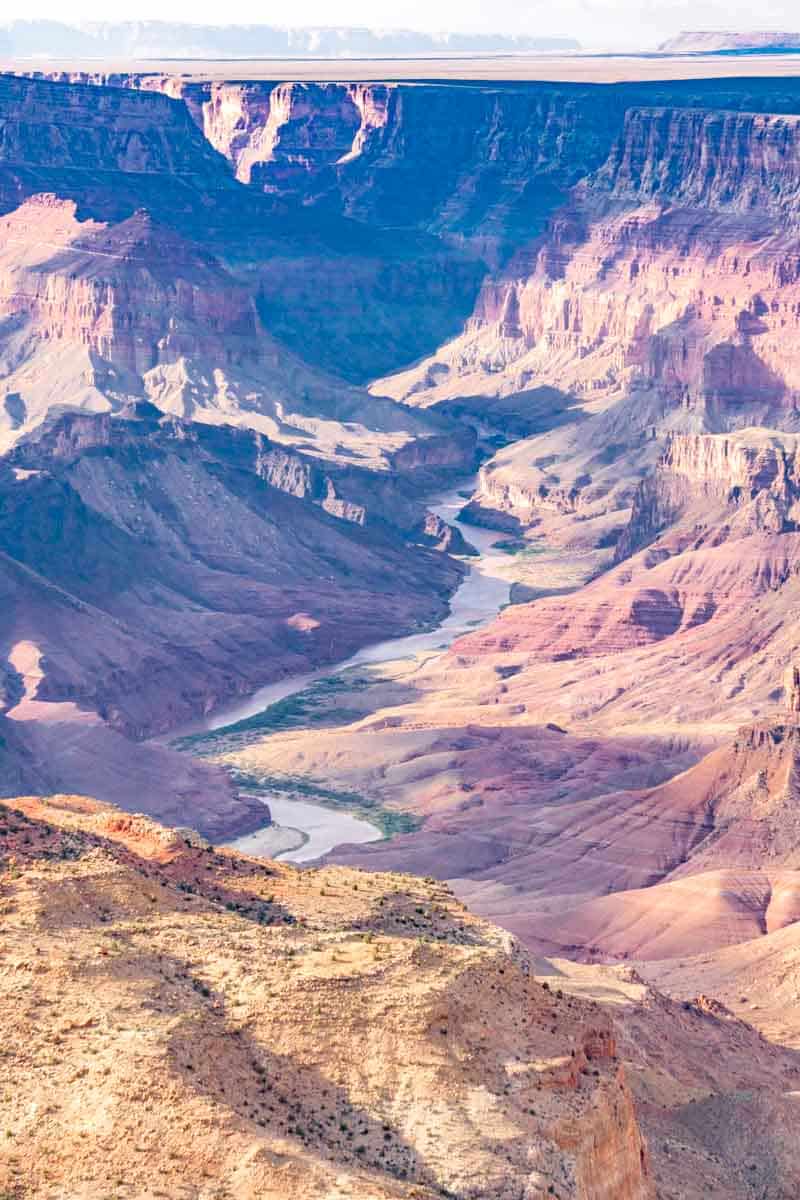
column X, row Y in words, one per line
column 283, row 137
column 613, row 1157
column 751, row 479
column 109, row 289
column 792, row 689
column 737, row 466
column 629, row 296
column 104, row 147
column 93, row 319
column 74, row 127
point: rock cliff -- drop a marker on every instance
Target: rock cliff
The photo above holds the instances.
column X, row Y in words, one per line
column 489, row 163
column 662, row 298
column 101, row 147
column 495, row 180
column 96, row 315
column 752, row 477
column 720, row 160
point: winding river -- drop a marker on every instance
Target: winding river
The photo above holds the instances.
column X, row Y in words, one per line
column 303, row 830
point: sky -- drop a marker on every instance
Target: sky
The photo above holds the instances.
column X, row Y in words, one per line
column 601, row 23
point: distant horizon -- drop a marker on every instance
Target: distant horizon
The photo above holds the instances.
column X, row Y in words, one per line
column 596, row 24
column 18, row 35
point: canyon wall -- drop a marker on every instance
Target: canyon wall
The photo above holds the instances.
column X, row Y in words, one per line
column 488, row 160
column 752, row 477
column 716, row 159
column 663, row 298
column 105, row 148
column 418, row 190
column 483, row 164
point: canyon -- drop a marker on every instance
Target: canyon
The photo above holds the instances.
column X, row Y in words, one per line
column 257, row 336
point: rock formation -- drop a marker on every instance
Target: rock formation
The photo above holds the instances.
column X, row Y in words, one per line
column 792, row 689
column 661, row 298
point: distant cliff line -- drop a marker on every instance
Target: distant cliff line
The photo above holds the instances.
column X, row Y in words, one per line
column 158, row 39
column 729, row 41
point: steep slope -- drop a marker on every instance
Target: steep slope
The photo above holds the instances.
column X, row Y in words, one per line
column 109, row 150
column 714, row 1095
column 153, row 568
column 756, row 979
column 488, row 162
column 733, row 878
column 142, row 517
column 260, row 1030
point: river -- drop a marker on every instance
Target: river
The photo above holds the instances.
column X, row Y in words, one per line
column 303, row 830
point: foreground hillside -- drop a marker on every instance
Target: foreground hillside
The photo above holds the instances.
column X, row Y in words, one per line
column 180, row 1021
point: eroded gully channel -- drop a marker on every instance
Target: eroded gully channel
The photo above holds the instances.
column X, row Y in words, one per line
column 301, row 830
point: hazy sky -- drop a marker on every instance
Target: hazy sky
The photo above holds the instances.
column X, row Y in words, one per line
column 593, row 22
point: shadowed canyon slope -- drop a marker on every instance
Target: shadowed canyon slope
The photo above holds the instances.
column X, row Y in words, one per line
column 154, row 568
